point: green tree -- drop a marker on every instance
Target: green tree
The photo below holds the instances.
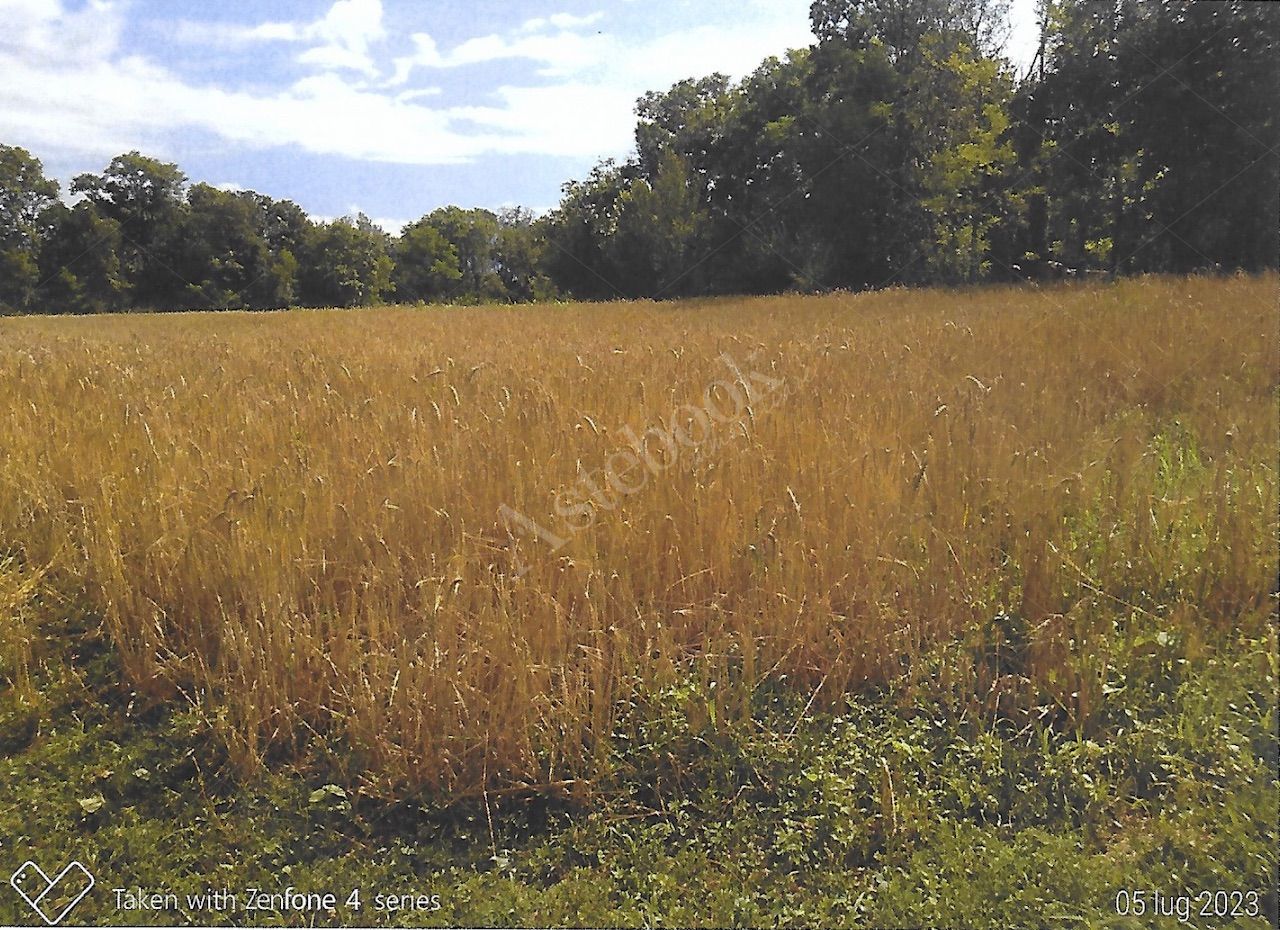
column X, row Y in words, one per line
column 760, row 187
column 920, row 80
column 1200, row 125
column 25, row 194
column 80, row 261
column 346, row 264
column 145, row 197
column 224, row 254
column 903, row 28
column 662, row 232
column 286, row 228
column 426, row 263
column 579, row 230
column 283, row 223
column 473, row 235
column 1149, row 136
column 688, row 119
column 966, row 185
column 521, row 257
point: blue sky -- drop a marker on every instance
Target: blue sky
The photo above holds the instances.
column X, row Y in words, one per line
column 390, row 107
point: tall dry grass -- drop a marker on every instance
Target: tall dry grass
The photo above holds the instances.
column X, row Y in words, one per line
column 294, row 519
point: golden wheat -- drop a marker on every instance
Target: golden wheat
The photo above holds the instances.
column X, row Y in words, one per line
column 303, row 521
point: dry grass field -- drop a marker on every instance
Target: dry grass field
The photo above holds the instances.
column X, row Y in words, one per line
column 420, row 542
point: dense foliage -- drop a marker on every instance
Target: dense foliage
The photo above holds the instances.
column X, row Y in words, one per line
column 900, row 147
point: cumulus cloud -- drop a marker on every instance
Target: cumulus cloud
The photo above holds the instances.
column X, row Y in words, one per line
column 71, row 86
column 342, row 38
column 558, row 55
column 57, row 98
column 346, row 33
column 561, row 21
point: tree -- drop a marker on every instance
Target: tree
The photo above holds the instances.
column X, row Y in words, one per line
column 136, row 191
column 688, row 119
column 662, row 231
column 283, row 223
column 938, row 111
column 1202, row 81
column 224, row 256
column 80, row 261
column 760, row 190
column 521, row 257
column 965, row 182
column 579, row 231
column 286, row 228
column 902, row 28
column 25, row 194
column 145, row 197
column 1149, row 136
column 854, row 219
column 426, row 263
column 473, row 235
column 346, row 264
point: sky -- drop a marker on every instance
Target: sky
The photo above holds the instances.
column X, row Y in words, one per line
column 387, row 107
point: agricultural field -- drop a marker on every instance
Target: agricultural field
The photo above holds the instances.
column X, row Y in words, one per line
column 919, row 607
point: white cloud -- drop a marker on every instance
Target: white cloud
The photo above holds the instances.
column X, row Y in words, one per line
column 561, row 21
column 407, row 96
column 345, row 35
column 71, row 87
column 39, row 30
column 355, row 23
column 64, row 102
column 591, row 111
column 338, row 57
column 736, row 50
column 425, row 54
column 571, row 119
column 392, row 226
column 562, row 53
column 347, row 31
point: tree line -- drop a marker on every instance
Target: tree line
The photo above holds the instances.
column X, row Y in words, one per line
column 899, row 148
